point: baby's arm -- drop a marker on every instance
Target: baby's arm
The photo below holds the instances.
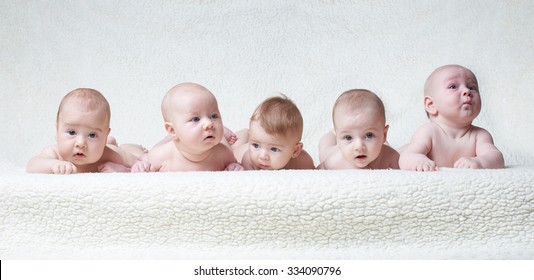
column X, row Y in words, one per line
column 48, row 162
column 141, row 164
column 231, row 163
column 115, row 159
column 391, row 157
column 414, row 155
column 158, row 155
column 229, row 136
column 302, row 161
column 246, row 162
column 334, row 161
column 487, row 155
column 327, row 145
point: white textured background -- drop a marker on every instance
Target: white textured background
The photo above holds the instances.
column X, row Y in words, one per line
column 243, row 51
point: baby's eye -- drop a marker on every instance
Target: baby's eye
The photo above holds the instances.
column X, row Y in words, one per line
column 369, row 135
column 93, row 135
column 473, row 88
column 255, row 145
column 195, row 119
column 214, row 116
column 275, row 149
column 347, row 137
column 451, row 87
column 71, row 132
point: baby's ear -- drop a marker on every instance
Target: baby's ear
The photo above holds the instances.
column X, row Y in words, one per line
column 170, row 129
column 429, row 105
column 386, row 133
column 297, row 150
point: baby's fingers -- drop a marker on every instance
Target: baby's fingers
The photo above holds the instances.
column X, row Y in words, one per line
column 68, row 168
column 426, row 166
column 141, row 166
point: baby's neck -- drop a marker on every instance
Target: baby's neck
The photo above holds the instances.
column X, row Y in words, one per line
column 453, row 130
column 194, row 157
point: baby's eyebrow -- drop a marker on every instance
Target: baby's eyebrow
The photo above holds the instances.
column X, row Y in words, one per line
column 77, row 126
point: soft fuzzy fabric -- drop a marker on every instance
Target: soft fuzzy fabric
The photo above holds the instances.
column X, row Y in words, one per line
column 460, row 214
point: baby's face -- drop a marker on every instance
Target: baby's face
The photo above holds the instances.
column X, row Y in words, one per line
column 197, row 122
column 454, row 91
column 81, row 134
column 269, row 152
column 360, row 135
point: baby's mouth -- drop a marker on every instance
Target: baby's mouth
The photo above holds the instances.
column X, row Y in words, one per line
column 360, row 157
column 79, row 155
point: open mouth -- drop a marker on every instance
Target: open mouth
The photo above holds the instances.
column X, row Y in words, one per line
column 79, row 155
column 264, row 167
column 361, row 157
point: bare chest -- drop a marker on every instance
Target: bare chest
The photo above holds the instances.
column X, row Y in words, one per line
column 446, row 151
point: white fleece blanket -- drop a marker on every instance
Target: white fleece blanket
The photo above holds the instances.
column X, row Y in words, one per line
column 457, row 214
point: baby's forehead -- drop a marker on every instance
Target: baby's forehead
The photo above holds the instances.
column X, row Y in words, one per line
column 451, row 72
column 366, row 106
column 79, row 105
column 257, row 130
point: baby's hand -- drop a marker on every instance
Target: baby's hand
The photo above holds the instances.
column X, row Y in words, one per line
column 467, row 162
column 110, row 167
column 229, row 136
column 141, row 166
column 234, row 167
column 64, row 167
column 424, row 165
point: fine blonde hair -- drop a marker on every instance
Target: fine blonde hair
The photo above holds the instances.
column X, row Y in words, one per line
column 88, row 99
column 278, row 115
column 356, row 99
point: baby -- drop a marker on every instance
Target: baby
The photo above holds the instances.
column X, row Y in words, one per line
column 272, row 141
column 360, row 134
column 195, row 127
column 452, row 102
column 82, row 126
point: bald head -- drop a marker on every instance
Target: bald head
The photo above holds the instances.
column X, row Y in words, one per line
column 356, row 100
column 172, row 98
column 436, row 74
column 85, row 99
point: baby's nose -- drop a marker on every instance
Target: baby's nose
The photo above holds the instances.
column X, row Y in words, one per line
column 208, row 124
column 466, row 91
column 80, row 142
column 358, row 144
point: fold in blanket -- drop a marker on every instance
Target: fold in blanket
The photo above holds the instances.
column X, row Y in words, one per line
column 270, row 214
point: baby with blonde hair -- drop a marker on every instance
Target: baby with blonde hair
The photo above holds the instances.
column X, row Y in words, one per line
column 273, row 139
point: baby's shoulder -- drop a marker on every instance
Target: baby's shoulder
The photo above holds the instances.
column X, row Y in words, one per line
column 51, row 151
column 389, row 151
column 481, row 133
column 221, row 150
column 113, row 153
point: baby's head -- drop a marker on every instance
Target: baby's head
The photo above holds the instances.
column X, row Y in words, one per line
column 82, row 126
column 275, row 133
column 192, row 117
column 452, row 95
column 360, row 125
